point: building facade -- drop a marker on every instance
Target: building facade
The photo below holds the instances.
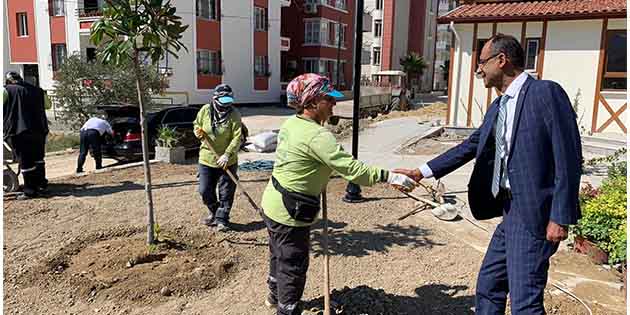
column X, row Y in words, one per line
column 580, row 44
column 396, row 28
column 321, row 37
column 232, row 42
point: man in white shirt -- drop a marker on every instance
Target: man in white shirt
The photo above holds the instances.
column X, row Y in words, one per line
column 92, row 134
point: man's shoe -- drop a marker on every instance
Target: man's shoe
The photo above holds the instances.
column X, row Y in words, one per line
column 222, row 227
column 24, row 197
column 209, row 221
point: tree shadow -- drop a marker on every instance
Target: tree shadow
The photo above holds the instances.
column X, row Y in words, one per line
column 248, row 227
column 91, row 190
column 362, row 243
column 431, row 299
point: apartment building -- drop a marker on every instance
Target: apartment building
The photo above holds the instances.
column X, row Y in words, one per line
column 233, row 42
column 319, row 36
column 395, row 28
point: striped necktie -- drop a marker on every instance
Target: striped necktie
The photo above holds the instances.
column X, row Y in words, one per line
column 499, row 151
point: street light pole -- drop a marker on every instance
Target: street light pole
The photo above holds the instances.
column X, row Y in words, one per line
column 353, row 191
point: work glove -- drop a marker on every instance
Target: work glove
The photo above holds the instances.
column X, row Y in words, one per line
column 199, row 133
column 223, row 161
column 401, row 182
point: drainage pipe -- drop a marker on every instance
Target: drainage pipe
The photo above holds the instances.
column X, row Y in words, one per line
column 459, row 72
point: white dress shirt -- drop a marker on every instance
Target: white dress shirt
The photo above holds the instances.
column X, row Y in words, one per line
column 100, row 125
column 512, row 92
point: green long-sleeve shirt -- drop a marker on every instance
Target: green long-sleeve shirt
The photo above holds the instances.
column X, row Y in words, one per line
column 226, row 139
column 306, row 155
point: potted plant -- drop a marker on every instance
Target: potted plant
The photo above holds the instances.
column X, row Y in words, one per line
column 165, row 149
column 601, row 232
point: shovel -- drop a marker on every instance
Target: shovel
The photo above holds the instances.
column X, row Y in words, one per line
column 238, row 184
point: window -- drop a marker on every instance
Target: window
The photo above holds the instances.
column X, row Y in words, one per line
column 365, row 56
column 260, row 16
column 57, row 8
column 324, row 33
column 58, row 55
column 378, row 28
column 90, row 53
column 261, row 66
column 330, row 2
column 531, row 53
column 311, row 66
column 341, row 4
column 209, row 62
column 376, row 56
column 340, row 34
column 22, row 23
column 333, row 75
column 311, row 32
column 616, row 65
column 207, row 9
column 379, row 4
column 323, row 67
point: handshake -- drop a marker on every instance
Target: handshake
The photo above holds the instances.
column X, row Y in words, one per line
column 404, row 180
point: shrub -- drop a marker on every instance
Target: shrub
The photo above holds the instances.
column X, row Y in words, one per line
column 167, row 137
column 604, row 218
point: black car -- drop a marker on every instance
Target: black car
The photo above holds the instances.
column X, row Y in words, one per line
column 125, row 144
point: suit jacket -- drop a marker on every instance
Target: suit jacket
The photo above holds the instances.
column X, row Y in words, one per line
column 544, row 162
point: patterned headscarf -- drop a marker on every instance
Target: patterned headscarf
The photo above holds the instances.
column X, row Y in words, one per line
column 305, row 88
column 222, row 100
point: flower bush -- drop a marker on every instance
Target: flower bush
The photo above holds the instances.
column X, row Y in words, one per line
column 604, row 214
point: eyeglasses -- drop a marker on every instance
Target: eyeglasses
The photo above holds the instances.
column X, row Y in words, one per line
column 482, row 62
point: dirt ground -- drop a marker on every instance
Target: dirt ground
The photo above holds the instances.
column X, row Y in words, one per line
column 436, row 111
column 82, row 251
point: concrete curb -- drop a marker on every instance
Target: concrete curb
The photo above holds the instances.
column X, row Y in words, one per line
column 433, row 132
column 62, row 152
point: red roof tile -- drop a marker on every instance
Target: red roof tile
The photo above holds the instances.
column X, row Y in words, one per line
column 521, row 10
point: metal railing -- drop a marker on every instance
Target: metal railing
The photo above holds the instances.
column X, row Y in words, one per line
column 89, row 12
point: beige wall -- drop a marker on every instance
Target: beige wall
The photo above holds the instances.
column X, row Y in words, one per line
column 571, row 58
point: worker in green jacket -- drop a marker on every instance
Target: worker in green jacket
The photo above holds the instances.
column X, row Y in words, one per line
column 306, row 155
column 219, row 123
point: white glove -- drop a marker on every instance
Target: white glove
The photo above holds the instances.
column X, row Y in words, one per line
column 401, row 181
column 223, row 161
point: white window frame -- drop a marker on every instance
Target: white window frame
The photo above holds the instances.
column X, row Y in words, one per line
column 378, row 28
column 376, row 61
column 59, row 55
column 527, row 41
column 312, row 31
column 213, row 64
column 317, row 32
column 58, row 8
column 261, row 66
column 22, row 24
column 379, row 5
column 260, row 19
column 212, row 9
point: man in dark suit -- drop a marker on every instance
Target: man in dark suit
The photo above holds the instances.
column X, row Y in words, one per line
column 528, row 165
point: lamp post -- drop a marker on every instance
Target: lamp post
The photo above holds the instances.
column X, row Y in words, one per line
column 353, row 191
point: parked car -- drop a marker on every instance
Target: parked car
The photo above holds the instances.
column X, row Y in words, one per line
column 125, row 144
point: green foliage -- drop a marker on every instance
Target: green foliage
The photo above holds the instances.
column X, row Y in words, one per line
column 617, row 156
column 132, row 26
column 80, row 86
column 167, row 137
column 59, row 142
column 414, row 65
column 604, row 218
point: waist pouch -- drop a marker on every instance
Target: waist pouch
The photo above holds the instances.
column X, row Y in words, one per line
column 301, row 207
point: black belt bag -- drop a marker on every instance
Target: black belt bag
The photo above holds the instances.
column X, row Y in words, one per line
column 301, row 207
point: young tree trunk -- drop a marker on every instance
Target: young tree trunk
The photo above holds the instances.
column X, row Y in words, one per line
column 145, row 152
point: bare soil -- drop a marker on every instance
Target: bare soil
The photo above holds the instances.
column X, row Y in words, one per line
column 81, row 251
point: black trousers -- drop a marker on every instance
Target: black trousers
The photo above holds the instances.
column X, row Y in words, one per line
column 209, row 179
column 288, row 263
column 91, row 140
column 30, row 149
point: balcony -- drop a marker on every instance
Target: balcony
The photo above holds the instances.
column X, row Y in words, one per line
column 285, row 43
column 90, row 13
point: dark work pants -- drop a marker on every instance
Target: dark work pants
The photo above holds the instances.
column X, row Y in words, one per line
column 30, row 149
column 517, row 263
column 91, row 140
column 209, row 179
column 288, row 263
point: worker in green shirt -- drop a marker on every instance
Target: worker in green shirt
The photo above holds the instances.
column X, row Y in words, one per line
column 220, row 124
column 306, row 155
